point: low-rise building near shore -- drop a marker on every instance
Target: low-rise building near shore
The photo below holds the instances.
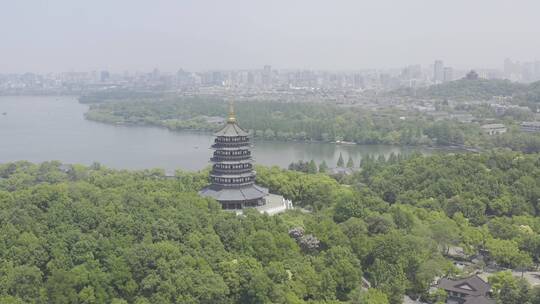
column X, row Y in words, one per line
column 530, row 126
column 494, row 129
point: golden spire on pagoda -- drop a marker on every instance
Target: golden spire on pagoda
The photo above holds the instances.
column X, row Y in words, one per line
column 232, row 116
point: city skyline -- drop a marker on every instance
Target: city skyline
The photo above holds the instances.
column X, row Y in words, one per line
column 429, row 64
column 134, row 35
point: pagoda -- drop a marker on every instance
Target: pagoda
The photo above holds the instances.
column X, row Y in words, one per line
column 232, row 177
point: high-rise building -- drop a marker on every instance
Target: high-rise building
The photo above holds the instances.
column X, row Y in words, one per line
column 512, row 70
column 267, row 76
column 183, row 78
column 438, row 71
column 104, row 76
column 217, row 78
column 94, row 76
column 448, row 74
column 155, row 74
column 358, row 81
column 232, row 177
column 250, row 79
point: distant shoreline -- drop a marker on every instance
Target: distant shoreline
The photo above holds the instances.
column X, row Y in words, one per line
column 259, row 139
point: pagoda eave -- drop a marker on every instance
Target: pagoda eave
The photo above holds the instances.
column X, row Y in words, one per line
column 247, row 174
column 213, row 147
column 232, row 162
column 222, row 161
column 249, row 192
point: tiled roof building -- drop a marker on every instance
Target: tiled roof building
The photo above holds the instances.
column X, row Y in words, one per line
column 472, row 290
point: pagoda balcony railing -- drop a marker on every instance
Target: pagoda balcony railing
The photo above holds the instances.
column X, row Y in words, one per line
column 231, row 144
column 231, row 171
column 231, row 138
column 236, row 152
column 227, row 147
column 220, row 158
column 233, row 185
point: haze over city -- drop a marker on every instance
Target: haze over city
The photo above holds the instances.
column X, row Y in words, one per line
column 295, row 152
column 62, row 35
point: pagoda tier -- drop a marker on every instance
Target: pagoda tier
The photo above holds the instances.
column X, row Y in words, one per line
column 219, row 169
column 227, row 142
column 233, row 180
column 232, row 177
column 223, row 154
column 219, row 147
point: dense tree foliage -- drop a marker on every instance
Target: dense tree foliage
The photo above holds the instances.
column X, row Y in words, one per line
column 306, row 166
column 313, row 122
column 468, row 89
column 509, row 289
column 75, row 234
column 267, row 120
column 118, row 94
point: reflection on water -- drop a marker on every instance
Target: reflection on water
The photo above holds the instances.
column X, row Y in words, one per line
column 283, row 153
column 53, row 128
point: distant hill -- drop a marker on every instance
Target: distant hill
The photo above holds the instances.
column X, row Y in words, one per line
column 468, row 89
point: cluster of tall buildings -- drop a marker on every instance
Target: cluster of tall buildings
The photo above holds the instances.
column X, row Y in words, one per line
column 268, row 78
column 522, row 71
column 259, row 80
column 442, row 73
column 265, row 78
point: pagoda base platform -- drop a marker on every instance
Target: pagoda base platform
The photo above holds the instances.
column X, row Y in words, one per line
column 275, row 204
column 252, row 196
column 237, row 197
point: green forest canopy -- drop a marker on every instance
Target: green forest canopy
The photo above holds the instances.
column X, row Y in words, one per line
column 95, row 235
column 476, row 89
column 309, row 121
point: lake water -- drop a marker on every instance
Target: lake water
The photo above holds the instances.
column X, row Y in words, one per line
column 53, row 128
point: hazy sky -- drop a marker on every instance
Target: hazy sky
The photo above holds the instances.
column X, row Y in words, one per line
column 64, row 35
